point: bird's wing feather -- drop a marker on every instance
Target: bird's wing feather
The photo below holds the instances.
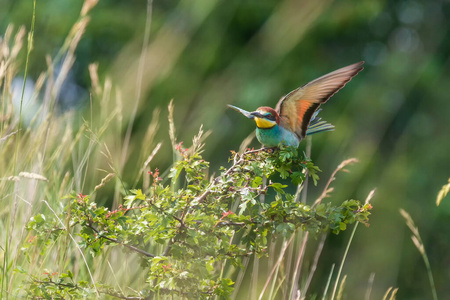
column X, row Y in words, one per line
column 296, row 108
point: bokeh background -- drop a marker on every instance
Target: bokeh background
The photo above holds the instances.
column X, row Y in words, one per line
column 205, row 54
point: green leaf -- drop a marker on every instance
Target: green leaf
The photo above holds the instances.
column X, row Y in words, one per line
column 278, row 187
column 243, row 207
column 21, row 270
column 284, row 171
column 69, row 274
column 297, row 177
column 285, row 229
column 314, row 177
column 257, row 181
column 175, row 171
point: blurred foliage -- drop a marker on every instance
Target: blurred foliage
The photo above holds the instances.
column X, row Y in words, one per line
column 205, row 54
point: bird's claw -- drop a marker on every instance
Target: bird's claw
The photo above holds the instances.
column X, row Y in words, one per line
column 269, row 150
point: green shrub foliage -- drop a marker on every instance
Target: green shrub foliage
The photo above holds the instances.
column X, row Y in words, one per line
column 201, row 224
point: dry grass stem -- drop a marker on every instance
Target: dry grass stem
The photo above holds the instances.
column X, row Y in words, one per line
column 443, row 193
column 369, row 286
column 3, row 139
column 172, row 133
column 392, row 292
column 315, row 263
column 104, row 181
column 87, row 6
column 417, row 240
column 341, row 288
column 95, row 82
column 32, row 176
column 370, row 196
column 298, row 264
column 275, row 267
column 341, row 167
column 151, row 156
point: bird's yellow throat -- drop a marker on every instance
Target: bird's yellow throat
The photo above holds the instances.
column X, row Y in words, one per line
column 264, row 123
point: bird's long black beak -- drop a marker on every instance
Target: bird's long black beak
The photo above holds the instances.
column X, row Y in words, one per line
column 248, row 114
column 257, row 114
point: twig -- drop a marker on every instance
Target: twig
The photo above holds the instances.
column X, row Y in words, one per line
column 120, row 243
column 203, row 196
column 75, row 286
column 236, row 162
column 56, row 283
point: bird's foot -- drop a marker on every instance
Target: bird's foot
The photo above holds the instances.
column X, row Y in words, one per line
column 269, row 150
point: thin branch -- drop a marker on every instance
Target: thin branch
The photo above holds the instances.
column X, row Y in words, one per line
column 229, row 223
column 75, row 287
column 236, row 162
column 122, row 244
column 203, row 196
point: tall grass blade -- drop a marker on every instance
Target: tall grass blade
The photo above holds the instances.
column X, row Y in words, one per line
column 140, row 75
column 325, row 291
column 277, row 264
column 296, row 276
column 369, row 286
column 341, row 288
column 13, row 200
column 369, row 197
column 315, row 263
column 417, row 240
column 343, row 261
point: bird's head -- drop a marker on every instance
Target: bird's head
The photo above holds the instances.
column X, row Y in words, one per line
column 265, row 117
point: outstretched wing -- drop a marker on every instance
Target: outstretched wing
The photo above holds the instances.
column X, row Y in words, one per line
column 296, row 108
column 318, row 125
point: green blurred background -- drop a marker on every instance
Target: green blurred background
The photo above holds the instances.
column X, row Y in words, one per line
column 204, row 54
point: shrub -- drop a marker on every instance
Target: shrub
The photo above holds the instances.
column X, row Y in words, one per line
column 202, row 227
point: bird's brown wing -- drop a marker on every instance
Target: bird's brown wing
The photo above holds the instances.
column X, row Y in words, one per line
column 296, row 108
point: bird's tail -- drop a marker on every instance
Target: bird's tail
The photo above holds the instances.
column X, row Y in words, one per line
column 318, row 125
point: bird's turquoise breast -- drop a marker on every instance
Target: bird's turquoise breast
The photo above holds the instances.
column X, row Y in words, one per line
column 272, row 137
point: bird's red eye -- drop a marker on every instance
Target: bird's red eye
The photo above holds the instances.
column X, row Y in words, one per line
column 269, row 116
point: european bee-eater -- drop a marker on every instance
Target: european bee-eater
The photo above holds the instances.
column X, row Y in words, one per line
column 295, row 115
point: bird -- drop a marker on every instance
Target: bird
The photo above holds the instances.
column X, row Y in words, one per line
column 296, row 114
